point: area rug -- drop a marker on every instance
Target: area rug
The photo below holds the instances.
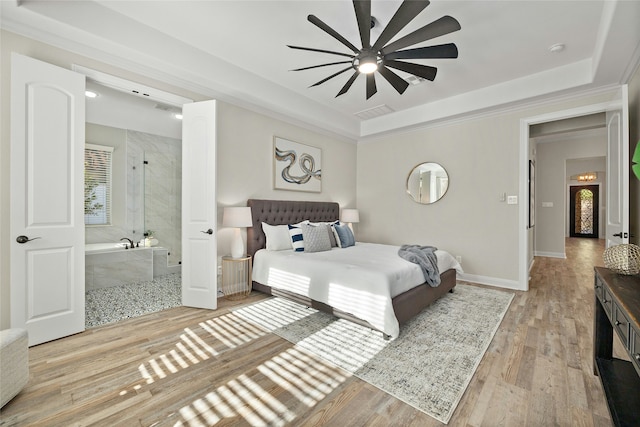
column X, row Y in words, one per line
column 430, row 364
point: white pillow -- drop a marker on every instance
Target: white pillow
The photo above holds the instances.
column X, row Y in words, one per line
column 278, row 238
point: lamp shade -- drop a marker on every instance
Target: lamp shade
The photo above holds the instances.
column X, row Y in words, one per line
column 237, row 217
column 350, row 215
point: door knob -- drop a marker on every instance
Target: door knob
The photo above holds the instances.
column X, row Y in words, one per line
column 25, row 239
column 621, row 234
column 209, row 231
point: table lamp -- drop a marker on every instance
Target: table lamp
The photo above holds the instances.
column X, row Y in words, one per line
column 237, row 217
column 350, row 216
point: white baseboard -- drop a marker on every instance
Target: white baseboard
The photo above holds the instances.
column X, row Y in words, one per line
column 551, row 254
column 491, row 281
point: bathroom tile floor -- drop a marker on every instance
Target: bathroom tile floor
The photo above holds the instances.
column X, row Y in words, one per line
column 108, row 305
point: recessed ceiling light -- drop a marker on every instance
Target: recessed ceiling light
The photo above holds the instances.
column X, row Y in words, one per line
column 90, row 94
column 178, row 116
column 558, row 47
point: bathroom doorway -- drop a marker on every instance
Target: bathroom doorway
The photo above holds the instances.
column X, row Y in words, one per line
column 143, row 128
column 583, row 211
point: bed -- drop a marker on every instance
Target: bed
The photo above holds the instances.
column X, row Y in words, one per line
column 402, row 306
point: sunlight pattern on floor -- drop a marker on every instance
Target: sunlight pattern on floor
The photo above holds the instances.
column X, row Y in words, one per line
column 249, row 395
column 307, row 377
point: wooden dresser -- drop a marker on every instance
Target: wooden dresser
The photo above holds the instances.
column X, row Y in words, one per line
column 617, row 307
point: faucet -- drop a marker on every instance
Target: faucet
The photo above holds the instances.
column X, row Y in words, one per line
column 130, row 242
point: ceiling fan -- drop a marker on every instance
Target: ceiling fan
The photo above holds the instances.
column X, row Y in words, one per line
column 381, row 56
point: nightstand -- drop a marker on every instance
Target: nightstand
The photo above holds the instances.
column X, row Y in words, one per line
column 236, row 277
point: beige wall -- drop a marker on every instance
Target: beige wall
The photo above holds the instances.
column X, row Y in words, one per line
column 481, row 156
column 243, row 150
column 245, row 164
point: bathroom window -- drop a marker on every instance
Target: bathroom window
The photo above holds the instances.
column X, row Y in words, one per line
column 97, row 184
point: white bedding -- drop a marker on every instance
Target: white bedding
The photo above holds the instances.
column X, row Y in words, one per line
column 360, row 280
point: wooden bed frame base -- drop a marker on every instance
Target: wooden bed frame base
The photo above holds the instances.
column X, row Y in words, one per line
column 276, row 212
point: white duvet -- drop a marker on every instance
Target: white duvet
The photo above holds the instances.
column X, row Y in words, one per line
column 360, row 279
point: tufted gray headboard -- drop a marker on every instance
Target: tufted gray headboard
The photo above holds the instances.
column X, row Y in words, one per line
column 277, row 212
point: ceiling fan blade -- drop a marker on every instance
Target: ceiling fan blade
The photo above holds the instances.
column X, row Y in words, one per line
column 371, row 85
column 333, row 33
column 406, row 12
column 395, row 80
column 440, row 27
column 321, row 51
column 424, row 71
column 363, row 15
column 448, row 50
column 331, row 76
column 322, row 65
column 347, row 85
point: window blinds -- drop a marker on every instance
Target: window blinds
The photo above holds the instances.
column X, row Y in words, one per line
column 97, row 184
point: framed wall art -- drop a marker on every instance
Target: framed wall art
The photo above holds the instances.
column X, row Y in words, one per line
column 297, row 167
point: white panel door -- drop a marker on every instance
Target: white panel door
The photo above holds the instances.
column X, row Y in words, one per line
column 199, row 247
column 46, row 213
column 617, row 221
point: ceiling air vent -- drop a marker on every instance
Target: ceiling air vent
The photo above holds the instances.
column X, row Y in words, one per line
column 414, row 80
column 164, row 107
column 378, row 111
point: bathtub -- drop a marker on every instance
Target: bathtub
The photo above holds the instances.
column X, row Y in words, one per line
column 102, row 247
column 110, row 264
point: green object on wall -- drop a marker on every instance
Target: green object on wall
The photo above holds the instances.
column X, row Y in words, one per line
column 636, row 160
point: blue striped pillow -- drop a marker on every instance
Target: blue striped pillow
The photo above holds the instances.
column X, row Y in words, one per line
column 296, row 238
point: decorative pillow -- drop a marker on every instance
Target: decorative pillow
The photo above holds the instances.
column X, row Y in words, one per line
column 278, row 238
column 297, row 241
column 332, row 237
column 316, row 238
column 344, row 235
column 335, row 235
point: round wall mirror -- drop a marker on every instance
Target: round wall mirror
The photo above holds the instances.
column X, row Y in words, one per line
column 427, row 183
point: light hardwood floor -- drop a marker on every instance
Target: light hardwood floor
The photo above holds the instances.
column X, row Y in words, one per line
column 195, row 367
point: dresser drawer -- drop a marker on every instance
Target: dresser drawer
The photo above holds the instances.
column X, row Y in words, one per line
column 599, row 288
column 621, row 325
column 607, row 301
column 635, row 349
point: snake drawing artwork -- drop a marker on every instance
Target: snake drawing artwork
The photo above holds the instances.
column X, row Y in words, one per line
column 305, row 162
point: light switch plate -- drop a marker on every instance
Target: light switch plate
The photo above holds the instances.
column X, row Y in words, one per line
column 512, row 200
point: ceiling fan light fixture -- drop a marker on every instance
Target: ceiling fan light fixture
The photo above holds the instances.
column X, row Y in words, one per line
column 367, row 67
column 366, row 62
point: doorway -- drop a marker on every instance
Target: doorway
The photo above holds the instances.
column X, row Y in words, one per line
column 617, row 166
column 583, row 211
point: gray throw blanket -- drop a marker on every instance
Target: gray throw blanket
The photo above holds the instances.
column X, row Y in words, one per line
column 425, row 257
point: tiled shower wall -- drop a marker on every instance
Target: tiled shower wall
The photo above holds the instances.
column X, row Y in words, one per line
column 159, row 208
